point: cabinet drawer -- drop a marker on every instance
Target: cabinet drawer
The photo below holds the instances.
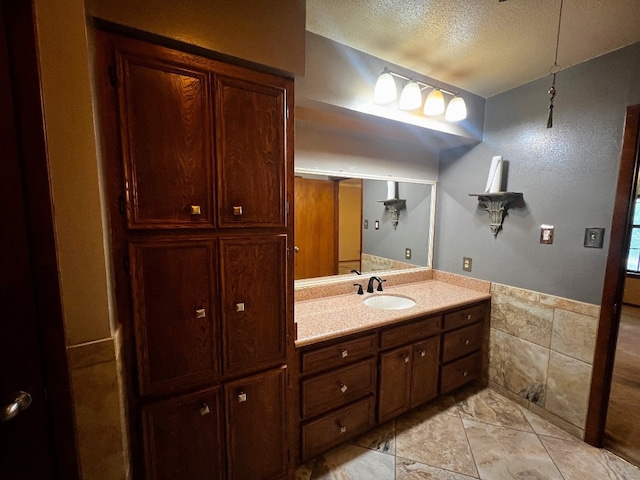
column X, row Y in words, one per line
column 463, row 317
column 460, row 372
column 460, row 342
column 339, row 354
column 403, row 334
column 331, row 390
column 337, row 427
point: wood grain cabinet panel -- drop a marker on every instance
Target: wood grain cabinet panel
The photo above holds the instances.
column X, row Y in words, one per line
column 166, row 138
column 334, row 389
column 253, row 301
column 460, row 372
column 256, row 426
column 424, row 377
column 464, row 316
column 337, row 427
column 461, row 342
column 183, row 437
column 251, row 150
column 175, row 312
column 394, row 395
column 338, row 354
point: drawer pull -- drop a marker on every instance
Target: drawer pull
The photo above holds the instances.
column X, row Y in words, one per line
column 465, row 341
column 468, row 316
column 240, row 307
column 242, row 397
column 422, row 353
column 201, row 313
column 406, row 359
column 464, row 374
column 204, row 409
column 343, row 429
column 196, row 210
column 343, row 388
column 344, row 353
column 237, row 210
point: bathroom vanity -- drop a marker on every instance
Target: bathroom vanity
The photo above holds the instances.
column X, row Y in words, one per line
column 361, row 366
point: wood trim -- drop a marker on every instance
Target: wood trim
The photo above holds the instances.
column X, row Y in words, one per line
column 615, row 274
column 19, row 21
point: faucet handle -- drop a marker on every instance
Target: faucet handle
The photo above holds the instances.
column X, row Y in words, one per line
column 360, row 292
column 380, row 280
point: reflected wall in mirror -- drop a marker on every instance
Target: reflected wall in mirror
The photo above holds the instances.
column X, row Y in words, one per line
column 342, row 224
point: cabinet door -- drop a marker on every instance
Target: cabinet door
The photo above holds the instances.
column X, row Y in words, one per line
column 256, row 427
column 251, row 150
column 395, row 383
column 174, row 312
column 253, row 302
column 183, row 437
column 164, row 104
column 424, row 381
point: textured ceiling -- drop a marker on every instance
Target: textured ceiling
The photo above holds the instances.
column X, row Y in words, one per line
column 483, row 46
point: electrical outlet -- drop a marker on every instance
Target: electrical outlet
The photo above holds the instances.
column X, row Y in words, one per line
column 376, row 225
column 466, row 264
column 407, row 253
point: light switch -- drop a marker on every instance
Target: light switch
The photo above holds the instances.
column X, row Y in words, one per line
column 546, row 234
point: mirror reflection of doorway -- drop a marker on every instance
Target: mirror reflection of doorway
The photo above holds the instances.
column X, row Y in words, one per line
column 328, row 219
column 622, row 430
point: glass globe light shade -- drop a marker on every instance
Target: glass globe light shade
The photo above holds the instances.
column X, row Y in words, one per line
column 385, row 90
column 411, row 97
column 435, row 103
column 456, row 110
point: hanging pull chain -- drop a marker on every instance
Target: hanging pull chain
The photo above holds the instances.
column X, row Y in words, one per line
column 553, row 71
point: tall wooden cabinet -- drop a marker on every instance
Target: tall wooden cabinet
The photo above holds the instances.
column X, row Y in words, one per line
column 198, row 160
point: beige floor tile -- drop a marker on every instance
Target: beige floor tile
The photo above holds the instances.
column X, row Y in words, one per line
column 579, row 461
column 490, row 407
column 438, row 441
column 410, row 470
column 506, row 454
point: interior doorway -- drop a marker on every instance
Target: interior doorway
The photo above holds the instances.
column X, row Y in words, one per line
column 36, row 414
column 599, row 428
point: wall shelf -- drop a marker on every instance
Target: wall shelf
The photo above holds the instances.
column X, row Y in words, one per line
column 497, row 205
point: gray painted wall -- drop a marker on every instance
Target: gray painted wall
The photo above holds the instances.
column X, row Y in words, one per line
column 413, row 222
column 568, row 176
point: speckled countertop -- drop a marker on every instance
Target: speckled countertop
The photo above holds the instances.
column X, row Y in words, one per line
column 339, row 315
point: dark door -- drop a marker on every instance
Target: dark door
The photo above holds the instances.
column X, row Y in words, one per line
column 25, row 428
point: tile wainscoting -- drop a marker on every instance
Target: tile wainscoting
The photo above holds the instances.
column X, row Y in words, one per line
column 541, row 353
column 96, row 379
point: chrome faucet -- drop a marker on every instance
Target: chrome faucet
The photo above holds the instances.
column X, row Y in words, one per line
column 370, row 285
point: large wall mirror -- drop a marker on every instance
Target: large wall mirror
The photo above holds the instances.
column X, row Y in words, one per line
column 364, row 223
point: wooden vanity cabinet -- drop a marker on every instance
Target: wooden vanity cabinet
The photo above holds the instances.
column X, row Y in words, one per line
column 255, row 417
column 199, row 163
column 461, row 347
column 412, row 361
column 409, row 374
column 337, row 393
column 184, row 437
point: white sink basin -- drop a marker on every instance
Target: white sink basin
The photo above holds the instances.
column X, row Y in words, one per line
column 389, row 302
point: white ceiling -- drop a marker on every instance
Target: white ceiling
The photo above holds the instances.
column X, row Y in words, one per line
column 482, row 46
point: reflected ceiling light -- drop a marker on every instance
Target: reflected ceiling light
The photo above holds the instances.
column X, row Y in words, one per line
column 434, row 105
column 385, row 91
column 456, row 110
column 411, row 97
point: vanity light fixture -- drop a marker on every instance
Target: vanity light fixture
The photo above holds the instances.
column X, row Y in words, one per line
column 411, row 97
